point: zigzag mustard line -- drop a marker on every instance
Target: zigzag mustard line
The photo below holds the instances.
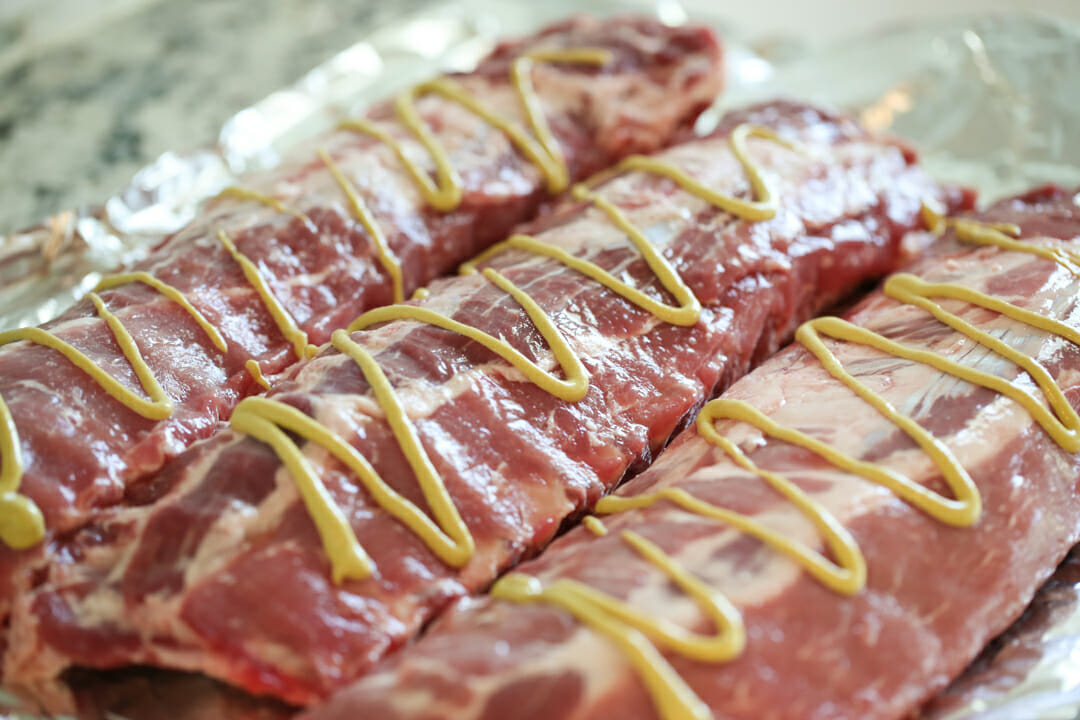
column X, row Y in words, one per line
column 640, row 636
column 347, row 558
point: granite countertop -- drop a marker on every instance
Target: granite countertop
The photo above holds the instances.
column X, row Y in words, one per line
column 94, row 91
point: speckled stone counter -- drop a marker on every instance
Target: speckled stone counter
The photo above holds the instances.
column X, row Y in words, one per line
column 109, row 94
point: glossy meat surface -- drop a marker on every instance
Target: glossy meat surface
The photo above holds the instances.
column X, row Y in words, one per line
column 83, row 450
column 935, row 594
column 220, row 570
column 1024, row 671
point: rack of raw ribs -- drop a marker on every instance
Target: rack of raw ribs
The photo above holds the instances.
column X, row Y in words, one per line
column 516, row 398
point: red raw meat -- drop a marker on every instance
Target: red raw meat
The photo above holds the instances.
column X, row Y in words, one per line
column 935, row 594
column 84, row 450
column 1011, row 673
column 222, row 571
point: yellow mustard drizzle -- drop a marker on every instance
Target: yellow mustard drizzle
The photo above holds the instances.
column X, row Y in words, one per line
column 240, row 193
column 763, row 207
column 21, row 522
column 640, row 636
column 630, row 631
column 256, row 374
column 1002, row 235
column 263, row 418
column 282, row 318
column 1063, row 424
column 111, row 281
column 595, row 525
column 687, row 312
column 362, row 215
column 445, row 192
column 449, row 538
column 572, row 389
column 548, row 157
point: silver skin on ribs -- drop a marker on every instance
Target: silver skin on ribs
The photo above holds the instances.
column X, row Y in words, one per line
column 304, row 237
column 934, row 593
column 223, row 571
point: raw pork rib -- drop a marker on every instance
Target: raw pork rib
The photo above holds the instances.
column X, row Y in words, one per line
column 82, row 449
column 935, row 594
column 223, row 572
column 1011, row 673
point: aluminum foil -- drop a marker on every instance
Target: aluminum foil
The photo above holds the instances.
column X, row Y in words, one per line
column 990, row 102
